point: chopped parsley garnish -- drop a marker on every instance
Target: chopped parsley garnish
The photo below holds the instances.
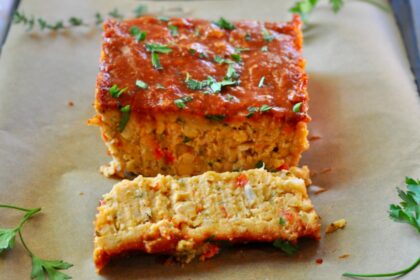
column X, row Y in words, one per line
column 248, row 37
column 239, row 50
column 186, row 139
column 282, row 221
column 116, row 92
column 160, row 86
column 137, row 33
column 163, row 18
column 219, row 59
column 285, row 246
column 180, row 103
column 203, row 55
column 297, row 107
column 197, row 31
column 236, row 57
column 229, row 97
column 264, row 49
column 141, row 84
column 265, row 108
column 225, row 24
column 260, row 164
column 126, row 110
column 210, row 83
column 267, row 35
column 155, row 49
column 173, row 30
column 252, row 110
column 76, row 21
column 231, row 73
column 261, row 83
column 215, row 117
column 192, row 51
column 158, row 48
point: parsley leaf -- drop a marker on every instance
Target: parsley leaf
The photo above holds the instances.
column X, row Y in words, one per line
column 268, row 37
column 336, row 5
column 224, row 24
column 304, row 8
column 141, row 84
column 137, row 33
column 180, row 103
column 296, row 108
column 98, row 19
column 215, row 117
column 236, row 57
column 163, row 18
column 239, row 50
column 116, row 92
column 252, row 110
column 261, row 83
column 173, row 30
column 282, row 221
column 210, row 83
column 408, row 211
column 125, row 116
column 265, row 108
column 248, row 37
column 7, row 238
column 43, row 269
column 264, row 49
column 285, row 246
column 155, row 49
column 76, row 21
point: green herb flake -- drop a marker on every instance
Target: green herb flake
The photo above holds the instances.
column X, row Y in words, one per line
column 163, row 18
column 239, row 50
column 137, row 33
column 231, row 72
column 203, row 55
column 336, row 5
column 155, row 49
column 251, row 111
column 160, row 86
column 215, row 117
column 264, row 49
column 268, row 37
column 156, row 62
column 192, row 51
column 225, row 24
column 282, row 221
column 195, row 84
column 229, row 97
column 197, row 32
column 180, row 103
column 261, row 83
column 116, row 92
column 285, row 246
column 260, row 164
column 141, row 84
column 186, row 139
column 265, row 108
column 304, row 8
column 236, row 57
column 248, row 37
column 173, row 30
column 125, row 116
column 219, row 59
column 296, row 108
column 98, row 19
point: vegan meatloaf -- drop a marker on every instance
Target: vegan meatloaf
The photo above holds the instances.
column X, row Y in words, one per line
column 183, row 96
column 189, row 216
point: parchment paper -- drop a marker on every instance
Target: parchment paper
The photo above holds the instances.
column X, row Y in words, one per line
column 363, row 103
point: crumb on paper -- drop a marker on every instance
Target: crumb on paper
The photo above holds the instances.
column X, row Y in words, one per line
column 344, row 256
column 70, row 103
column 319, row 261
column 81, row 193
column 313, row 137
column 317, row 189
column 339, row 224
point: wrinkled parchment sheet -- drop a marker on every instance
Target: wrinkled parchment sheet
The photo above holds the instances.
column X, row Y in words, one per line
column 364, row 105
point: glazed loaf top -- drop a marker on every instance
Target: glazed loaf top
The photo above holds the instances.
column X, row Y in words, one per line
column 219, row 70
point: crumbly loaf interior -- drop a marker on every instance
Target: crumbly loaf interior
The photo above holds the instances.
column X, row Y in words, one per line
column 174, row 144
column 185, row 216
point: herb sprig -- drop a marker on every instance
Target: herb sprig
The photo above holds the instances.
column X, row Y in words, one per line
column 156, row 49
column 41, row 269
column 407, row 211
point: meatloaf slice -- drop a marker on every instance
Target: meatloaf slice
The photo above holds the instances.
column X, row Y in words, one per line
column 188, row 217
column 184, row 96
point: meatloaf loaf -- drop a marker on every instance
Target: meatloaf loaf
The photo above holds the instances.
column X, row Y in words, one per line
column 183, row 96
column 188, row 217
